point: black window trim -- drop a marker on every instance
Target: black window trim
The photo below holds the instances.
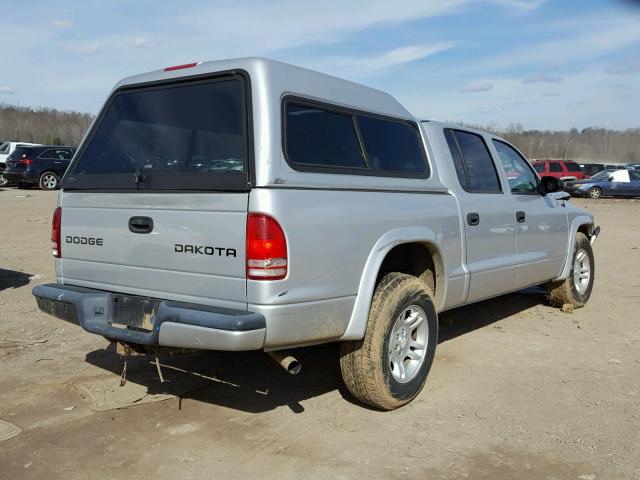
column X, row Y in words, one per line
column 353, row 113
column 536, row 193
column 238, row 181
column 464, row 163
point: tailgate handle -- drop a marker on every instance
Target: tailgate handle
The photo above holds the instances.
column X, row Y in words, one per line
column 141, row 224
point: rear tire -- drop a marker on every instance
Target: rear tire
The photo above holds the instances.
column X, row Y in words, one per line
column 48, row 181
column 595, row 192
column 389, row 366
column 575, row 289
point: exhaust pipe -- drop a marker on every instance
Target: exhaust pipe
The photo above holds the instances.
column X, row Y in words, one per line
column 286, row 361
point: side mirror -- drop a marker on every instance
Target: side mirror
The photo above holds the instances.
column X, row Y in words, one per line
column 549, row 185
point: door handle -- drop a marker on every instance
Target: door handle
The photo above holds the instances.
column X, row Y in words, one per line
column 140, row 224
column 521, row 217
column 473, row 219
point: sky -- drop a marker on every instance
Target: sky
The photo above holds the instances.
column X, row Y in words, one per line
column 554, row 64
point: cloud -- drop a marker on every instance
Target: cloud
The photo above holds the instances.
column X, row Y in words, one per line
column 543, row 79
column 365, row 65
column 4, row 90
column 550, row 94
column 521, row 5
column 87, row 49
column 140, row 42
column 625, row 67
column 586, row 44
column 477, row 87
column 62, row 24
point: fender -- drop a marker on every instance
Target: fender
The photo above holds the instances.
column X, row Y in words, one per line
column 576, row 223
column 360, row 314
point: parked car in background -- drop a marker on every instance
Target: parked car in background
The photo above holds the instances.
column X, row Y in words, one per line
column 42, row 165
column 614, row 166
column 632, row 166
column 611, row 183
column 591, row 169
column 562, row 169
column 6, row 148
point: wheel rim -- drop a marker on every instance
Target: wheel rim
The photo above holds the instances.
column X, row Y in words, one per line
column 594, row 193
column 49, row 181
column 3, row 181
column 408, row 344
column 581, row 271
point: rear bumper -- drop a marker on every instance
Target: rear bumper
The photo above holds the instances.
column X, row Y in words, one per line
column 173, row 324
column 22, row 176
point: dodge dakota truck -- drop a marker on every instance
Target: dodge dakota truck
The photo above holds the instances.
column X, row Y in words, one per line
column 253, row 205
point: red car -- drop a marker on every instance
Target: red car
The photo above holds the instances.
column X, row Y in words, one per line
column 562, row 169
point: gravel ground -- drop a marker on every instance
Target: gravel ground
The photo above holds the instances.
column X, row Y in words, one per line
column 518, row 389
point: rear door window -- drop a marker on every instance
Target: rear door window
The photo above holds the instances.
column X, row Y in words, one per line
column 554, row 167
column 481, row 175
column 56, row 154
column 539, row 167
column 182, row 136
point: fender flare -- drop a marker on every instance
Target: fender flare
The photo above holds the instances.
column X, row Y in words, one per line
column 573, row 231
column 360, row 314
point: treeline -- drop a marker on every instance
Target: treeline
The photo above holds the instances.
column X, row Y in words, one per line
column 591, row 144
column 42, row 125
column 50, row 126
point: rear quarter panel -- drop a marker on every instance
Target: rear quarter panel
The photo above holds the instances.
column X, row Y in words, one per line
column 331, row 235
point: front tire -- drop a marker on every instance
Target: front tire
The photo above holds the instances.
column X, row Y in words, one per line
column 48, row 181
column 595, row 192
column 576, row 289
column 3, row 181
column 389, row 366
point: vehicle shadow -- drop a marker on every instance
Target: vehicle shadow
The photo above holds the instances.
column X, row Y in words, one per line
column 247, row 381
column 13, row 279
column 472, row 317
column 252, row 382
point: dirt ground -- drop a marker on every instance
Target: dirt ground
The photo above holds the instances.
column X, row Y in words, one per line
column 518, row 389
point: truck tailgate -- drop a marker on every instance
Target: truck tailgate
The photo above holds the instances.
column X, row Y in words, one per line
column 195, row 250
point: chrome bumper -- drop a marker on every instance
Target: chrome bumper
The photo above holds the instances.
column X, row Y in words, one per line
column 172, row 324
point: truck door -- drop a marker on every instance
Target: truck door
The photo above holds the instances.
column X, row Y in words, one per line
column 542, row 222
column 488, row 216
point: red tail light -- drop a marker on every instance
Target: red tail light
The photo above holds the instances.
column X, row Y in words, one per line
column 266, row 248
column 56, row 243
column 26, row 161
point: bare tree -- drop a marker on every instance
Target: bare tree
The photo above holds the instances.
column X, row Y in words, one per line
column 42, row 125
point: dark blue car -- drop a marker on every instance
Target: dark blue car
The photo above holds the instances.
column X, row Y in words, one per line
column 609, row 183
column 38, row 165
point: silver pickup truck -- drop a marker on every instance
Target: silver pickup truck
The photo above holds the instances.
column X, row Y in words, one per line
column 250, row 204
